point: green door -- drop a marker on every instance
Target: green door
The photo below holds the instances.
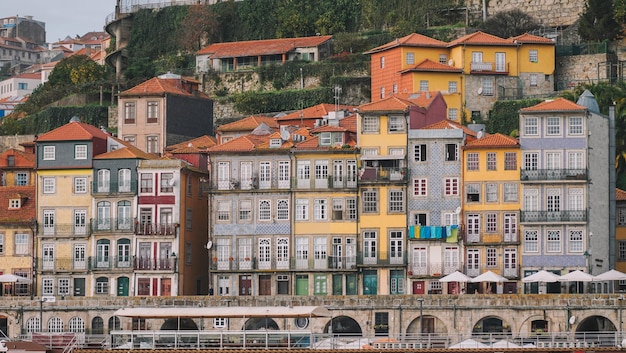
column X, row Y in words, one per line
column 122, row 287
column 370, row 282
column 351, row 288
column 302, row 285
column 337, row 285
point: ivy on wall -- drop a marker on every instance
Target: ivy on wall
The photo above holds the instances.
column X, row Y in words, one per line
column 276, row 101
column 54, row 117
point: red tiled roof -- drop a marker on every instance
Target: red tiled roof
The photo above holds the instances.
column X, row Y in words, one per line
column 448, row 124
column 328, row 128
column 128, row 152
column 199, row 143
column 494, row 140
column 349, row 123
column 21, row 159
column 429, row 65
column 560, row 104
column 620, row 195
column 261, row 47
column 248, row 124
column 27, row 210
column 73, row 131
column 316, row 112
column 400, row 102
column 159, row 86
column 411, row 40
column 528, row 38
column 32, row 76
column 241, row 144
column 479, row 38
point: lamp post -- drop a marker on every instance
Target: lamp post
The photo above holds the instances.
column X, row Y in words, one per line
column 421, row 301
column 41, row 301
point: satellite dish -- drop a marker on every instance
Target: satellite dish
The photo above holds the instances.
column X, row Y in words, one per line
column 450, row 62
column 480, row 134
column 572, row 320
column 458, row 210
column 209, row 245
column 171, row 182
column 284, row 134
column 480, row 90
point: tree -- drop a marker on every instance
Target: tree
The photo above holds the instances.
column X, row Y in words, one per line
column 199, row 28
column 597, row 23
column 511, row 23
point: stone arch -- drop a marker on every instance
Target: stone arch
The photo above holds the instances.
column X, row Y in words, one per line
column 97, row 325
column 491, row 324
column 114, row 323
column 76, row 325
column 182, row 324
column 432, row 324
column 260, row 323
column 33, row 325
column 595, row 323
column 344, row 325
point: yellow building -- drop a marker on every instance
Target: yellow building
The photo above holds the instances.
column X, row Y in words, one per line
column 620, row 230
column 491, row 207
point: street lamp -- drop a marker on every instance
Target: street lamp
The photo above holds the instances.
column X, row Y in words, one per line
column 421, row 301
column 41, row 301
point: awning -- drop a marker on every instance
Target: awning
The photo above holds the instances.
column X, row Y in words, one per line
column 226, row 312
column 388, row 157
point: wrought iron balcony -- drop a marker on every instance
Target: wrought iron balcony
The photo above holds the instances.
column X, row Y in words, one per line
column 553, row 216
column 433, row 269
column 255, row 263
column 156, row 229
column 382, row 175
column 155, row 263
column 53, row 230
column 381, row 258
column 61, row 264
column 103, row 263
column 112, row 225
column 113, row 187
column 553, row 174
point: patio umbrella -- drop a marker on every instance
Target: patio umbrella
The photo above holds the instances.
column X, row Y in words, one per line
column 541, row 276
column 576, row 276
column 10, row 278
column 505, row 344
column 611, row 275
column 456, row 276
column 489, row 277
column 469, row 343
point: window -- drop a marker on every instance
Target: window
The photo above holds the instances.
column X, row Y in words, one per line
column 104, row 180
column 382, row 62
column 452, row 86
column 450, row 218
column 220, row 322
column 510, row 192
column 452, row 186
column 453, row 114
column 129, row 113
column 575, row 161
column 576, row 241
column 575, row 125
column 452, row 152
column 223, row 210
column 325, row 139
column 419, row 153
column 396, row 201
column 531, row 241
column 49, row 185
column 188, row 218
column 102, row 285
column 492, row 257
column 370, row 201
column 369, row 246
column 553, row 200
column 492, row 223
column 531, row 126
column 47, row 287
column 410, row 58
column 575, row 199
column 80, row 152
column 553, row 242
column 153, row 112
column 132, row 139
column 621, row 216
column 370, row 124
column 533, row 80
column 423, row 85
column 123, row 180
column 338, row 208
column 491, row 161
column 531, row 161
column 396, row 123
column 473, row 227
column 622, row 250
column 167, row 182
column 473, row 192
column 15, row 203
column 351, row 209
column 265, row 210
column 320, row 209
column 282, row 210
column 491, row 192
column 533, row 55
column 1, row 243
column 443, row 59
column 21, row 179
column 152, row 144
column 553, row 126
column 302, row 210
column 420, row 187
column 80, row 185
column 487, row 87
column 146, row 183
column 245, row 210
column 510, row 161
column 55, row 324
column 49, row 153
column 472, row 161
column 64, row 286
column 382, row 92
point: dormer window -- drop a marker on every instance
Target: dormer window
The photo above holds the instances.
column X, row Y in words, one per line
column 325, row 139
column 80, row 152
column 275, row 143
column 15, row 203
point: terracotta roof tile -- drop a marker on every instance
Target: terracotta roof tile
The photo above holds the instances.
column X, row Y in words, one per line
column 528, row 38
column 494, row 140
column 479, row 38
column 248, row 124
column 429, row 65
column 240, row 144
column 560, row 104
column 201, row 143
column 160, row 86
column 349, row 123
column 21, row 159
column 26, row 212
column 411, row 40
column 448, row 124
column 261, row 47
column 400, row 102
column 329, row 128
column 620, row 195
column 128, row 152
column 73, row 131
column 316, row 112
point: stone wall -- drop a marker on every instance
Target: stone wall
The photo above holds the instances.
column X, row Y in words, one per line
column 576, row 69
column 13, row 141
column 550, row 13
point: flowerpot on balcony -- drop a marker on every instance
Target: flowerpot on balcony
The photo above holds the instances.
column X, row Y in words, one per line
column 410, row 273
column 247, row 259
column 230, row 259
column 214, row 259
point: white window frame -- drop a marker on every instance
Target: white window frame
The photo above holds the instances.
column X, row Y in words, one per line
column 420, row 187
column 553, row 126
column 49, row 153
column 531, row 126
column 80, row 151
column 80, row 185
column 553, row 241
column 302, row 209
column 49, row 185
column 531, row 241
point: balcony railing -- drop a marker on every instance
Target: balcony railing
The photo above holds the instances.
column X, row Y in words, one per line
column 497, row 235
column 381, row 258
column 382, row 174
column 553, row 174
column 62, row 264
column 330, row 181
column 155, row 264
column 254, row 263
column 102, row 263
column 508, row 272
column 63, row 230
column 489, row 67
column 553, row 216
column 434, row 269
column 114, row 187
column 110, row 225
column 159, row 229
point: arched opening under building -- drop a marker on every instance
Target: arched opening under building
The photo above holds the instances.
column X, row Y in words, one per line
column 182, row 324
column 260, row 323
column 343, row 325
column 594, row 324
column 491, row 324
column 539, row 326
column 431, row 324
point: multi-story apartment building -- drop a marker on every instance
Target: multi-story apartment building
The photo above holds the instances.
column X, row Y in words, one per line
column 17, row 218
column 164, row 111
column 64, row 205
column 566, row 158
column 434, row 205
column 620, row 230
column 472, row 72
column 490, row 208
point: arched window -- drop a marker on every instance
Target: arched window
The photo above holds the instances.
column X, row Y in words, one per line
column 282, row 211
column 123, row 253
column 265, row 211
column 55, row 324
column 123, row 180
column 123, row 215
column 103, row 250
column 76, row 325
column 33, row 325
column 104, row 215
column 104, row 180
column 102, row 285
column 114, row 323
column 97, row 325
